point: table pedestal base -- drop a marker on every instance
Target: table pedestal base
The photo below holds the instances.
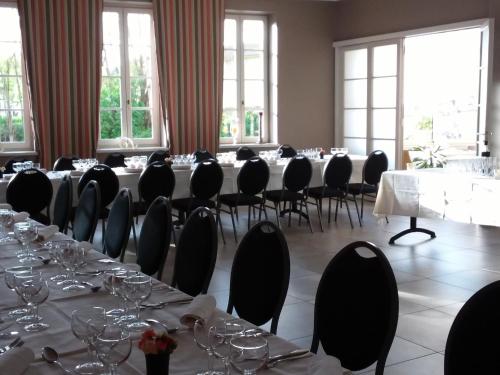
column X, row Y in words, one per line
column 413, row 228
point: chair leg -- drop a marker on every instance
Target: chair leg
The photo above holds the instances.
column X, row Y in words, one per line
column 277, row 214
column 318, row 207
column 103, row 230
column 290, row 214
column 234, row 226
column 135, row 237
column 308, row 217
column 348, row 213
column 362, row 203
column 357, row 211
column 329, row 209
column 300, row 216
column 236, row 213
column 265, row 211
column 217, row 214
column 386, row 220
column 336, row 209
column 249, row 216
column 253, row 208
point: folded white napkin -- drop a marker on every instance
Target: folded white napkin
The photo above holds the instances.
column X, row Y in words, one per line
column 201, row 308
column 46, row 232
column 327, row 365
column 5, row 206
column 20, row 216
column 16, row 361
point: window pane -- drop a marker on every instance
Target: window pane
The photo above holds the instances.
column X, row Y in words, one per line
column 384, row 123
column 229, row 34
column 229, row 118
column 111, row 28
column 252, row 123
column 141, row 124
column 140, row 61
column 230, row 69
column 140, row 92
column 110, row 92
column 110, row 124
column 230, row 94
column 254, row 65
column 253, row 34
column 139, row 29
column 355, row 146
column 254, row 94
column 11, row 32
column 355, row 63
column 355, row 123
column 389, row 147
column 11, row 126
column 385, row 60
column 384, row 92
column 111, row 61
column 355, row 93
column 10, row 58
column 11, row 93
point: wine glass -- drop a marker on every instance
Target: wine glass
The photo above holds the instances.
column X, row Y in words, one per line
column 6, row 218
column 17, row 167
column 113, row 347
column 219, row 335
column 27, row 285
column 136, row 289
column 201, row 338
column 55, row 247
column 248, row 354
column 71, row 258
column 34, row 297
column 113, row 282
column 87, row 324
column 25, row 232
column 9, row 277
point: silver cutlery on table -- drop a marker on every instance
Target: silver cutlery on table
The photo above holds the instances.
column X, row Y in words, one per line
column 51, row 356
column 16, row 342
column 7, row 335
column 257, row 332
column 294, row 354
column 273, row 363
column 169, row 330
column 162, row 304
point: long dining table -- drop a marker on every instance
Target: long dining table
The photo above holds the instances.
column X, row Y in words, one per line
column 57, row 309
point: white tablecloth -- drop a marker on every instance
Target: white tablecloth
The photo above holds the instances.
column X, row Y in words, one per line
column 438, row 193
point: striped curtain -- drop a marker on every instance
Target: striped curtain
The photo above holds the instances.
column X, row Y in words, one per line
column 62, row 43
column 189, row 52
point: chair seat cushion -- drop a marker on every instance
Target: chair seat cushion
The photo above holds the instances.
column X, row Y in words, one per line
column 283, row 196
column 234, row 200
column 190, row 204
column 358, row 188
column 325, row 192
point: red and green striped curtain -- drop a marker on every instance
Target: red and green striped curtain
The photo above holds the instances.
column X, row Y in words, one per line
column 189, row 52
column 62, row 43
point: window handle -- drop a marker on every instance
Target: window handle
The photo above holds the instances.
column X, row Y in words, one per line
column 128, row 101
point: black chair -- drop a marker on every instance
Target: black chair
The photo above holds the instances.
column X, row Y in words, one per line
column 244, row 153
column 260, row 275
column 205, row 184
column 296, row 178
column 108, row 184
column 115, row 160
column 201, row 155
column 252, row 180
column 287, row 151
column 156, row 180
column 336, row 177
column 196, row 253
column 159, row 155
column 87, row 212
column 119, row 224
column 31, row 191
column 356, row 308
column 472, row 345
column 376, row 164
column 8, row 165
column 154, row 240
column 63, row 204
column 64, row 164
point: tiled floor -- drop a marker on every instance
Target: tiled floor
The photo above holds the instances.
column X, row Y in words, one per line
column 435, row 277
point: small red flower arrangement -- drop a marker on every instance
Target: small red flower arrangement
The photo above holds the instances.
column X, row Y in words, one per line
column 154, row 343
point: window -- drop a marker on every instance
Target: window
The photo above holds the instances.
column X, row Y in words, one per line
column 129, row 92
column 245, row 90
column 15, row 133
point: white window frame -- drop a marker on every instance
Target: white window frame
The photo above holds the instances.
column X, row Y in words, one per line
column 487, row 26
column 28, row 144
column 126, row 108
column 240, row 78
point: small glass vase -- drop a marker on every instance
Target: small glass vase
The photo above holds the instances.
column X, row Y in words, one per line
column 157, row 364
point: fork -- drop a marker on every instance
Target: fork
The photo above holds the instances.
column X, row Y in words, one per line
column 13, row 344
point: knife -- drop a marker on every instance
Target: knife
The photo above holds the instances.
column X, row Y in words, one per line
column 292, row 354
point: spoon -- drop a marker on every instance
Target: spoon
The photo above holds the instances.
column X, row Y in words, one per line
column 93, row 288
column 154, row 321
column 50, row 355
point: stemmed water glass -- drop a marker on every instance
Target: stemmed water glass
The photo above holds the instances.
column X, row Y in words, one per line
column 113, row 347
column 9, row 276
column 87, row 324
column 219, row 336
column 6, row 218
column 55, row 250
column 248, row 354
column 137, row 288
column 202, row 339
column 26, row 232
column 71, row 258
column 113, row 282
column 34, row 291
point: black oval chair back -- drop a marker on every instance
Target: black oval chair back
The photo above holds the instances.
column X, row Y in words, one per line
column 115, row 160
column 196, row 253
column 107, row 180
column 472, row 345
column 356, row 308
column 244, row 153
column 202, row 155
column 206, row 179
column 374, row 166
column 8, row 165
column 159, row 155
column 31, row 191
column 154, row 240
column 119, row 224
column 338, row 171
column 253, row 176
column 288, row 151
column 260, row 275
column 297, row 174
column 156, row 180
column 63, row 204
column 87, row 212
column 64, row 164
